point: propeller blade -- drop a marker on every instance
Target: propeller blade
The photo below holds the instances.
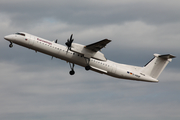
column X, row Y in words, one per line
column 71, row 37
column 69, row 42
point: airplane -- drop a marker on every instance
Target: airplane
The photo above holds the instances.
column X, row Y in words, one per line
column 91, row 57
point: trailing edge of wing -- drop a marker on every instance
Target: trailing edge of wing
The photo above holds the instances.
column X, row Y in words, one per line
column 98, row 45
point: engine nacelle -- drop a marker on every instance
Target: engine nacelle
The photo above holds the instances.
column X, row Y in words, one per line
column 75, row 47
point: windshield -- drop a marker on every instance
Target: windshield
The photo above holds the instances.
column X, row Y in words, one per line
column 20, row 34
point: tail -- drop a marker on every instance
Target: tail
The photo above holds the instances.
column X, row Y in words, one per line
column 155, row 66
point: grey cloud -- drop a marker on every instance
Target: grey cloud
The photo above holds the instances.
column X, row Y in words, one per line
column 90, row 13
column 80, row 98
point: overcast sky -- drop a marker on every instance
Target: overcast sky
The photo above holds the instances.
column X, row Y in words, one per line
column 34, row 87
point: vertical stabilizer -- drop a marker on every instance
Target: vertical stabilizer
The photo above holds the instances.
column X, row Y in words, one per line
column 154, row 67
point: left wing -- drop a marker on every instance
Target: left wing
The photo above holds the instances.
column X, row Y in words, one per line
column 98, row 45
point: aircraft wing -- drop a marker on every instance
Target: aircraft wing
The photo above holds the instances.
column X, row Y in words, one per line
column 98, row 45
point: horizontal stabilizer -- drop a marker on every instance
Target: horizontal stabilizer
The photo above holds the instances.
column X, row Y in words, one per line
column 167, row 56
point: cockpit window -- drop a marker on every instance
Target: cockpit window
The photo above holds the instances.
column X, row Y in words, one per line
column 20, row 34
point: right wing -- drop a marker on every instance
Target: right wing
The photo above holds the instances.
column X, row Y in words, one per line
column 98, row 45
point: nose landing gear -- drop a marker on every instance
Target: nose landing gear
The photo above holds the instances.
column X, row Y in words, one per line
column 10, row 45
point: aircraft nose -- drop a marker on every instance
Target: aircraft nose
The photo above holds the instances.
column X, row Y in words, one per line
column 8, row 37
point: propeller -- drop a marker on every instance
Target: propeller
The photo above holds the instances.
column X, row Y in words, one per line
column 69, row 42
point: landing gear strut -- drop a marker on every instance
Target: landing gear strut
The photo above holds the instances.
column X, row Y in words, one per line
column 10, row 45
column 72, row 72
column 88, row 67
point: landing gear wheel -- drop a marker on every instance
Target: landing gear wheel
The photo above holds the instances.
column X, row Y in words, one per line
column 88, row 67
column 72, row 72
column 10, row 45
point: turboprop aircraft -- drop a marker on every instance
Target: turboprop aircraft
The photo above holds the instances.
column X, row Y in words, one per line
column 90, row 57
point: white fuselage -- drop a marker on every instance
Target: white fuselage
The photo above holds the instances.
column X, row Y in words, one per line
column 59, row 51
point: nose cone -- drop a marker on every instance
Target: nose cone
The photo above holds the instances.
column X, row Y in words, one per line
column 8, row 37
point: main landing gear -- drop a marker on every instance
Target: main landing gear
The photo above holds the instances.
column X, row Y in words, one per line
column 10, row 45
column 88, row 67
column 72, row 72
